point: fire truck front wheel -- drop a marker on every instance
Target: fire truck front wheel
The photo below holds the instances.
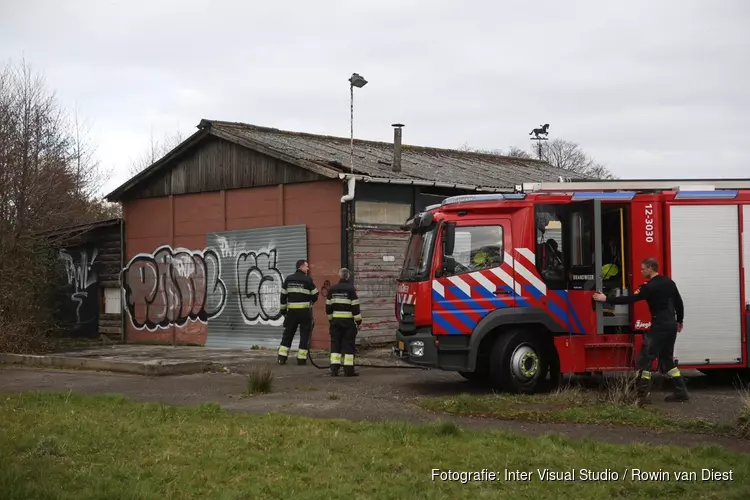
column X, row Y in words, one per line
column 519, row 362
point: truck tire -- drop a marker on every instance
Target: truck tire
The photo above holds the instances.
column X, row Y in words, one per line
column 519, row 362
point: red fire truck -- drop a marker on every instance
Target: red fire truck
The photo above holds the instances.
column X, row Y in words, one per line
column 499, row 286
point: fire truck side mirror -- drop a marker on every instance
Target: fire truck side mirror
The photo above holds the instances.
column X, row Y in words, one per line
column 449, row 267
column 425, row 220
column 449, row 238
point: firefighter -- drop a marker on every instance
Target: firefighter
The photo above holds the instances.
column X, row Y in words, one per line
column 342, row 309
column 481, row 259
column 667, row 313
column 298, row 294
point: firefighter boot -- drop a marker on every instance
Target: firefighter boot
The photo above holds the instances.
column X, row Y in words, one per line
column 335, row 364
column 302, row 357
column 282, row 355
column 643, row 388
column 349, row 366
column 680, row 389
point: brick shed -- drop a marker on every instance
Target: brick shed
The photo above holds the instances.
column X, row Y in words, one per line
column 213, row 227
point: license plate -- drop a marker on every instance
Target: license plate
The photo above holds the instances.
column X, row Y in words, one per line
column 400, row 345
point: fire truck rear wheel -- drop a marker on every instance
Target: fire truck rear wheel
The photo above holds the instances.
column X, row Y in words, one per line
column 520, row 362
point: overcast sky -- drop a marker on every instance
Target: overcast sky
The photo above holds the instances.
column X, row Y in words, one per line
column 649, row 88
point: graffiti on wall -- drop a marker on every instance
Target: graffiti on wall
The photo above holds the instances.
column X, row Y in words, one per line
column 377, row 287
column 228, row 247
column 81, row 275
column 325, row 288
column 259, row 285
column 173, row 286
column 233, row 285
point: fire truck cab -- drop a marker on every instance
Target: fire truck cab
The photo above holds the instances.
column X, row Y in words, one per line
column 498, row 287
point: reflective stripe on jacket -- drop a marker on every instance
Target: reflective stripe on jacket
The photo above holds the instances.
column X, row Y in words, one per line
column 342, row 302
column 298, row 292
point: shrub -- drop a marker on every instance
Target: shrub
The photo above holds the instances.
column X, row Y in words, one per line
column 260, row 380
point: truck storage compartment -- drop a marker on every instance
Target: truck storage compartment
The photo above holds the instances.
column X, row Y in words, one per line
column 705, row 265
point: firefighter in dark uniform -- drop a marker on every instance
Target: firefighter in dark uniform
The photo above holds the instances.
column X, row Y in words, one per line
column 667, row 313
column 298, row 294
column 342, row 309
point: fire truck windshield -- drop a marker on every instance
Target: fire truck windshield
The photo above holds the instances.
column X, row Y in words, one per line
column 417, row 260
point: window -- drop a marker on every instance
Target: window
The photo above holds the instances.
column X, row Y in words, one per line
column 581, row 242
column 112, row 301
column 476, row 248
column 377, row 212
column 551, row 240
column 417, row 262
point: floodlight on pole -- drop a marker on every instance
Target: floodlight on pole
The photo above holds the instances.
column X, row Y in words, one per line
column 358, row 81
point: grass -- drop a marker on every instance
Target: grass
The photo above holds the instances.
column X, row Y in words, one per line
column 67, row 446
column 743, row 419
column 615, row 404
column 259, row 380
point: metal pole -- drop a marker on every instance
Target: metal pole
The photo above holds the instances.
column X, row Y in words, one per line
column 351, row 125
column 599, row 282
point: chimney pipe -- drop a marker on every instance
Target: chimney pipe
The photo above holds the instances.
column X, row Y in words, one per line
column 397, row 146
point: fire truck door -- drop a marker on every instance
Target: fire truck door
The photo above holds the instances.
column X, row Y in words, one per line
column 477, row 278
column 582, row 252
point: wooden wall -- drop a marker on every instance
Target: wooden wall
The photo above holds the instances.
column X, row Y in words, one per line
column 91, row 263
column 217, row 164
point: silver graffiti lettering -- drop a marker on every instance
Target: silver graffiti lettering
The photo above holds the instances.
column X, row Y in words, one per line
column 259, row 286
column 229, row 248
column 81, row 276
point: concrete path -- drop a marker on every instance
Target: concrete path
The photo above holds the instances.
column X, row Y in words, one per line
column 168, row 360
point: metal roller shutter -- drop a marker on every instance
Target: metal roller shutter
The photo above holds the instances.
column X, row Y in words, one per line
column 254, row 263
column 705, row 262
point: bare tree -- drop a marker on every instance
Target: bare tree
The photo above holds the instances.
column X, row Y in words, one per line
column 569, row 156
column 517, row 152
column 560, row 153
column 47, row 174
column 155, row 151
column 513, row 151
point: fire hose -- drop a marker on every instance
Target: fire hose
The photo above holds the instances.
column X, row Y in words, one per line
column 369, row 366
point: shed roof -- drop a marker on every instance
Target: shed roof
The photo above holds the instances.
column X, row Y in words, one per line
column 76, row 232
column 330, row 156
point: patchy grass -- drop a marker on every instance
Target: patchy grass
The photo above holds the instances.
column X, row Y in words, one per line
column 614, row 404
column 743, row 420
column 617, row 391
column 259, row 380
column 67, row 446
column 307, row 388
